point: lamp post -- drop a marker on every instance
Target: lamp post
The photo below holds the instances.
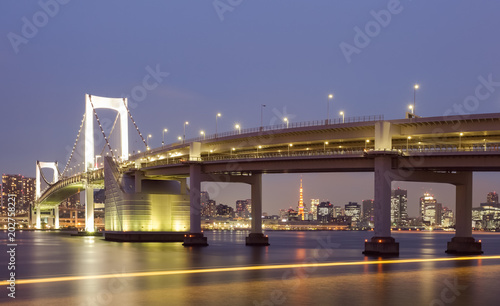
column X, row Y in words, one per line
column 261, row 114
column 179, row 138
column 286, row 120
column 330, row 97
column 289, row 146
column 460, row 141
column 366, row 143
column 216, row 117
column 259, row 147
column 184, row 135
column 411, row 108
column 163, row 137
column 415, row 87
column 203, row 133
column 232, row 150
column 147, row 142
column 238, row 127
column 407, row 142
column 343, row 118
column 324, row 146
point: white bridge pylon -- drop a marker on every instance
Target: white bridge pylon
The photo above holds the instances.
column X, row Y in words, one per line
column 39, row 166
column 38, row 185
column 117, row 104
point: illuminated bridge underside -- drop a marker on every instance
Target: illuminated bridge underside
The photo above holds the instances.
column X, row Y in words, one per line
column 59, row 195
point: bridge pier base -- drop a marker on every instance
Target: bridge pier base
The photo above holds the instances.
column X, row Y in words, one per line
column 463, row 243
column 195, row 236
column 382, row 243
column 256, row 237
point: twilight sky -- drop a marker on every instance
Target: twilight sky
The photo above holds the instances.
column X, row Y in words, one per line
column 230, row 56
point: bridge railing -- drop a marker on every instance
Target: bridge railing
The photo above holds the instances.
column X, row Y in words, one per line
column 291, row 125
column 432, row 148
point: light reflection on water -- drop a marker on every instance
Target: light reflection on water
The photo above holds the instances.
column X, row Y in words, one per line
column 51, row 254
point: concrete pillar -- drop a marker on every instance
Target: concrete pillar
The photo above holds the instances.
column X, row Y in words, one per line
column 195, row 236
column 195, row 151
column 382, row 243
column 463, row 243
column 256, row 237
column 183, row 186
column 89, row 209
column 38, row 218
column 139, row 175
column 56, row 217
column 383, row 135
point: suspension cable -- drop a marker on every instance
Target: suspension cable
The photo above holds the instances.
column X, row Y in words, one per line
column 133, row 121
column 74, row 145
column 100, row 126
column 110, row 133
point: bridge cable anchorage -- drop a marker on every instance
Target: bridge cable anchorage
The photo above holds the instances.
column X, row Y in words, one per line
column 136, row 127
column 74, row 145
column 102, row 130
column 110, row 133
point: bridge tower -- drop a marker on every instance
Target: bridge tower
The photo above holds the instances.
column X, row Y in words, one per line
column 91, row 103
column 39, row 166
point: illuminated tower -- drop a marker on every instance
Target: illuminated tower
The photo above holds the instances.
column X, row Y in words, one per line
column 301, row 202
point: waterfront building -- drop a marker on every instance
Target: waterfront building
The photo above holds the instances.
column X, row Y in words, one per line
column 399, row 206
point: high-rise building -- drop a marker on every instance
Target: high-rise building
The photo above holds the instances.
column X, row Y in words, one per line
column 244, row 208
column 399, row 206
column 353, row 210
column 447, row 217
column 368, row 211
column 209, row 209
column 314, row 209
column 225, row 211
column 426, row 199
column 431, row 210
column 325, row 212
column 492, row 199
column 301, row 202
column 22, row 187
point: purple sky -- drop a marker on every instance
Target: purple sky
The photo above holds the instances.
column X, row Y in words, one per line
column 285, row 54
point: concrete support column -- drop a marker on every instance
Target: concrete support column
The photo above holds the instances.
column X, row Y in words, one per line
column 183, row 186
column 195, row 236
column 382, row 243
column 256, row 237
column 139, row 175
column 56, row 217
column 38, row 218
column 463, row 243
column 89, row 209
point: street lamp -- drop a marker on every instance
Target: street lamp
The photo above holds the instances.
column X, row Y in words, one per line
column 286, row 120
column 147, row 141
column 203, row 133
column 163, row 137
column 238, row 127
column 343, row 118
column 216, row 117
column 184, row 135
column 289, row 146
column 259, row 147
column 366, row 143
column 179, row 138
column 324, row 146
column 261, row 114
column 407, row 141
column 411, row 108
column 460, row 141
column 330, row 97
column 415, row 87
column 232, row 150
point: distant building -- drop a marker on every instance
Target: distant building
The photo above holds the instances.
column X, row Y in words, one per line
column 353, row 210
column 225, row 211
column 325, row 212
column 241, row 209
column 314, row 208
column 447, row 217
column 368, row 214
column 430, row 210
column 399, row 206
column 492, row 198
column 338, row 212
column 22, row 187
column 209, row 209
